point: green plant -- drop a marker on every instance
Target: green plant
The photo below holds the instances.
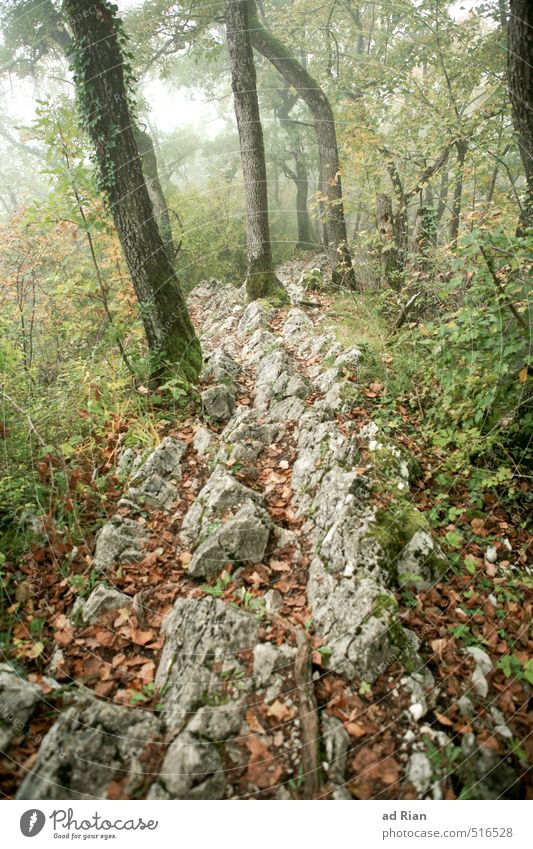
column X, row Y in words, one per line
column 143, row 695
column 221, row 584
column 513, row 667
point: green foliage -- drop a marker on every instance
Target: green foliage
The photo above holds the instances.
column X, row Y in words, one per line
column 513, row 667
column 94, row 113
column 478, row 359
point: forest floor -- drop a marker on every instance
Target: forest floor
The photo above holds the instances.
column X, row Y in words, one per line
column 463, row 731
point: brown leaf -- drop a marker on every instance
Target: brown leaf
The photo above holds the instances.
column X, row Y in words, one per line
column 279, row 566
column 354, row 729
column 140, row 638
column 104, row 688
column 391, row 771
column 280, row 712
column 254, row 723
column 147, row 671
column 263, row 768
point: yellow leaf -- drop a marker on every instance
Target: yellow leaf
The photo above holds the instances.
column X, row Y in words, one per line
column 522, row 375
column 35, row 650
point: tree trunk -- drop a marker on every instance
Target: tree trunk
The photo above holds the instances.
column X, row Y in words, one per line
column 155, row 189
column 102, row 88
column 302, row 214
column 401, row 221
column 443, row 194
column 300, row 179
column 455, row 221
column 519, row 62
column 324, row 122
column 389, row 250
column 300, row 176
column 261, row 280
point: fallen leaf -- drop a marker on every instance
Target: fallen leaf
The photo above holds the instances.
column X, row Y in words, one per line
column 280, row 712
column 140, row 638
column 354, row 729
column 263, row 768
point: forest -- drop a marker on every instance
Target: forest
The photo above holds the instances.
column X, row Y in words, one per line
column 266, row 411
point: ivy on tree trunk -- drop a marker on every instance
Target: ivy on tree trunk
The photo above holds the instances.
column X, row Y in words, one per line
column 103, row 84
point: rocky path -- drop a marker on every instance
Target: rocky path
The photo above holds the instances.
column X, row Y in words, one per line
column 292, row 530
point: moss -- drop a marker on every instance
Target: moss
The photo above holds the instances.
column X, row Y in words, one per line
column 406, row 652
column 265, row 286
column 394, row 527
column 349, row 391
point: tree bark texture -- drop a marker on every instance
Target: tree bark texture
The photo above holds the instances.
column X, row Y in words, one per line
column 103, row 93
column 520, row 77
column 261, row 280
column 455, row 220
column 389, row 250
column 324, row 123
column 155, row 189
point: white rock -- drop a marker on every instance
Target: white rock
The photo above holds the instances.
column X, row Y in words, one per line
column 417, row 711
column 491, row 554
column 419, row 772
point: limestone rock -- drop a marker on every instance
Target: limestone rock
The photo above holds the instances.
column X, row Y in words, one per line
column 346, row 519
column 222, row 493
column 246, row 435
column 420, row 561
column 272, row 666
column 273, row 601
column 164, row 461
column 200, row 661
column 92, row 744
column 218, row 403
column 260, row 343
column 254, row 317
column 320, row 447
column 482, row 669
column 204, row 441
column 273, row 379
column 325, row 380
column 219, row 366
column 154, row 482
column 100, row 601
column 241, row 539
column 297, row 324
column 192, row 769
column 420, row 685
column 118, row 541
column 18, row 699
column 419, row 772
column 348, row 360
column 288, row 410
column 358, row 621
column 128, row 462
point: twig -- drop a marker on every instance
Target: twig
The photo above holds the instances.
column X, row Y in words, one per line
column 309, row 722
column 308, row 708
column 406, row 310
column 26, row 415
column 490, row 265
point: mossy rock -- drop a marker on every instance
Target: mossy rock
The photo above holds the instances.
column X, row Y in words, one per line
column 410, row 556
